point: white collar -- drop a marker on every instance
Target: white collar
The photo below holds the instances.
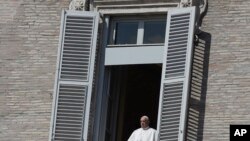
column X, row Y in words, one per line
column 145, row 128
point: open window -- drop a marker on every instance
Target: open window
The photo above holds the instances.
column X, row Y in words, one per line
column 143, row 75
column 133, row 92
column 174, row 74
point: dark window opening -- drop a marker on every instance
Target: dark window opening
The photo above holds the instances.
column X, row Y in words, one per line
column 135, row 89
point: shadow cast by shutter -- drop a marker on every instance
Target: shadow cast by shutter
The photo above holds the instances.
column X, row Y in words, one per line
column 198, row 90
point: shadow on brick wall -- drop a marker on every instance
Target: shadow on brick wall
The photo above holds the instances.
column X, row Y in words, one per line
column 198, row 91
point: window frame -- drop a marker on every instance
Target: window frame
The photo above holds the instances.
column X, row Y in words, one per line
column 105, row 36
column 140, row 29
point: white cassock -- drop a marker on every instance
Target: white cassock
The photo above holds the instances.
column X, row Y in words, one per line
column 141, row 134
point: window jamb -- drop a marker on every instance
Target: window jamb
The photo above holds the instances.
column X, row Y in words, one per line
column 112, row 33
column 100, row 117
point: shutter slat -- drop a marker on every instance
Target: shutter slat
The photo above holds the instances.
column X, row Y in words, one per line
column 77, row 38
column 64, row 116
column 80, row 19
column 76, row 34
column 72, row 96
column 180, row 21
column 174, row 32
column 75, row 55
column 75, row 69
column 87, row 32
column 176, row 66
column 75, row 44
column 69, row 131
column 176, row 29
column 84, row 71
column 67, row 120
column 177, row 42
column 67, row 110
column 179, row 37
column 73, row 40
column 69, row 58
column 174, row 46
column 69, row 125
column 61, row 112
column 172, row 104
column 171, row 64
column 74, row 63
column 177, row 51
column 80, row 23
column 76, row 47
column 68, row 102
column 77, row 30
column 66, row 139
column 178, row 34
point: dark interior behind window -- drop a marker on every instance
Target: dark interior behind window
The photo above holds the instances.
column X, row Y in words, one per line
column 126, row 32
column 154, row 32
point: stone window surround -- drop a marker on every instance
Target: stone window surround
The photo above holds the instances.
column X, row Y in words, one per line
column 135, row 9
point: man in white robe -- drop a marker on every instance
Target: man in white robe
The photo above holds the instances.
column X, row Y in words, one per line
column 145, row 133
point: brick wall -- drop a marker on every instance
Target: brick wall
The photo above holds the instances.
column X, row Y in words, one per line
column 228, row 84
column 29, row 32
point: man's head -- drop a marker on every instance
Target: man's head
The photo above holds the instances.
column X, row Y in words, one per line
column 144, row 122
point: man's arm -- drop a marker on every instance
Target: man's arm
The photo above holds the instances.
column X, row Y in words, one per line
column 132, row 137
column 156, row 135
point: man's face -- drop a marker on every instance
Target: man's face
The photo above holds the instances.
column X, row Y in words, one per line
column 144, row 122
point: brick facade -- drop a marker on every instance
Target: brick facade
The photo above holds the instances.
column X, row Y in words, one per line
column 29, row 32
column 227, row 97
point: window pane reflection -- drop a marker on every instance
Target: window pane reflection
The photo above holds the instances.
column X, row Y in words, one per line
column 126, row 33
column 154, row 32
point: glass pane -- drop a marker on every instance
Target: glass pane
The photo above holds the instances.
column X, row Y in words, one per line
column 126, row 32
column 154, row 32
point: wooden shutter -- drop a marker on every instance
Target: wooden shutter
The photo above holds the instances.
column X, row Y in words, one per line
column 73, row 85
column 175, row 74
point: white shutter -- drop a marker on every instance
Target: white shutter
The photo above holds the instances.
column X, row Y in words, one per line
column 74, row 76
column 176, row 74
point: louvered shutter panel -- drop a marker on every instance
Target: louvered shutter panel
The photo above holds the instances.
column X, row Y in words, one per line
column 175, row 74
column 75, row 75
